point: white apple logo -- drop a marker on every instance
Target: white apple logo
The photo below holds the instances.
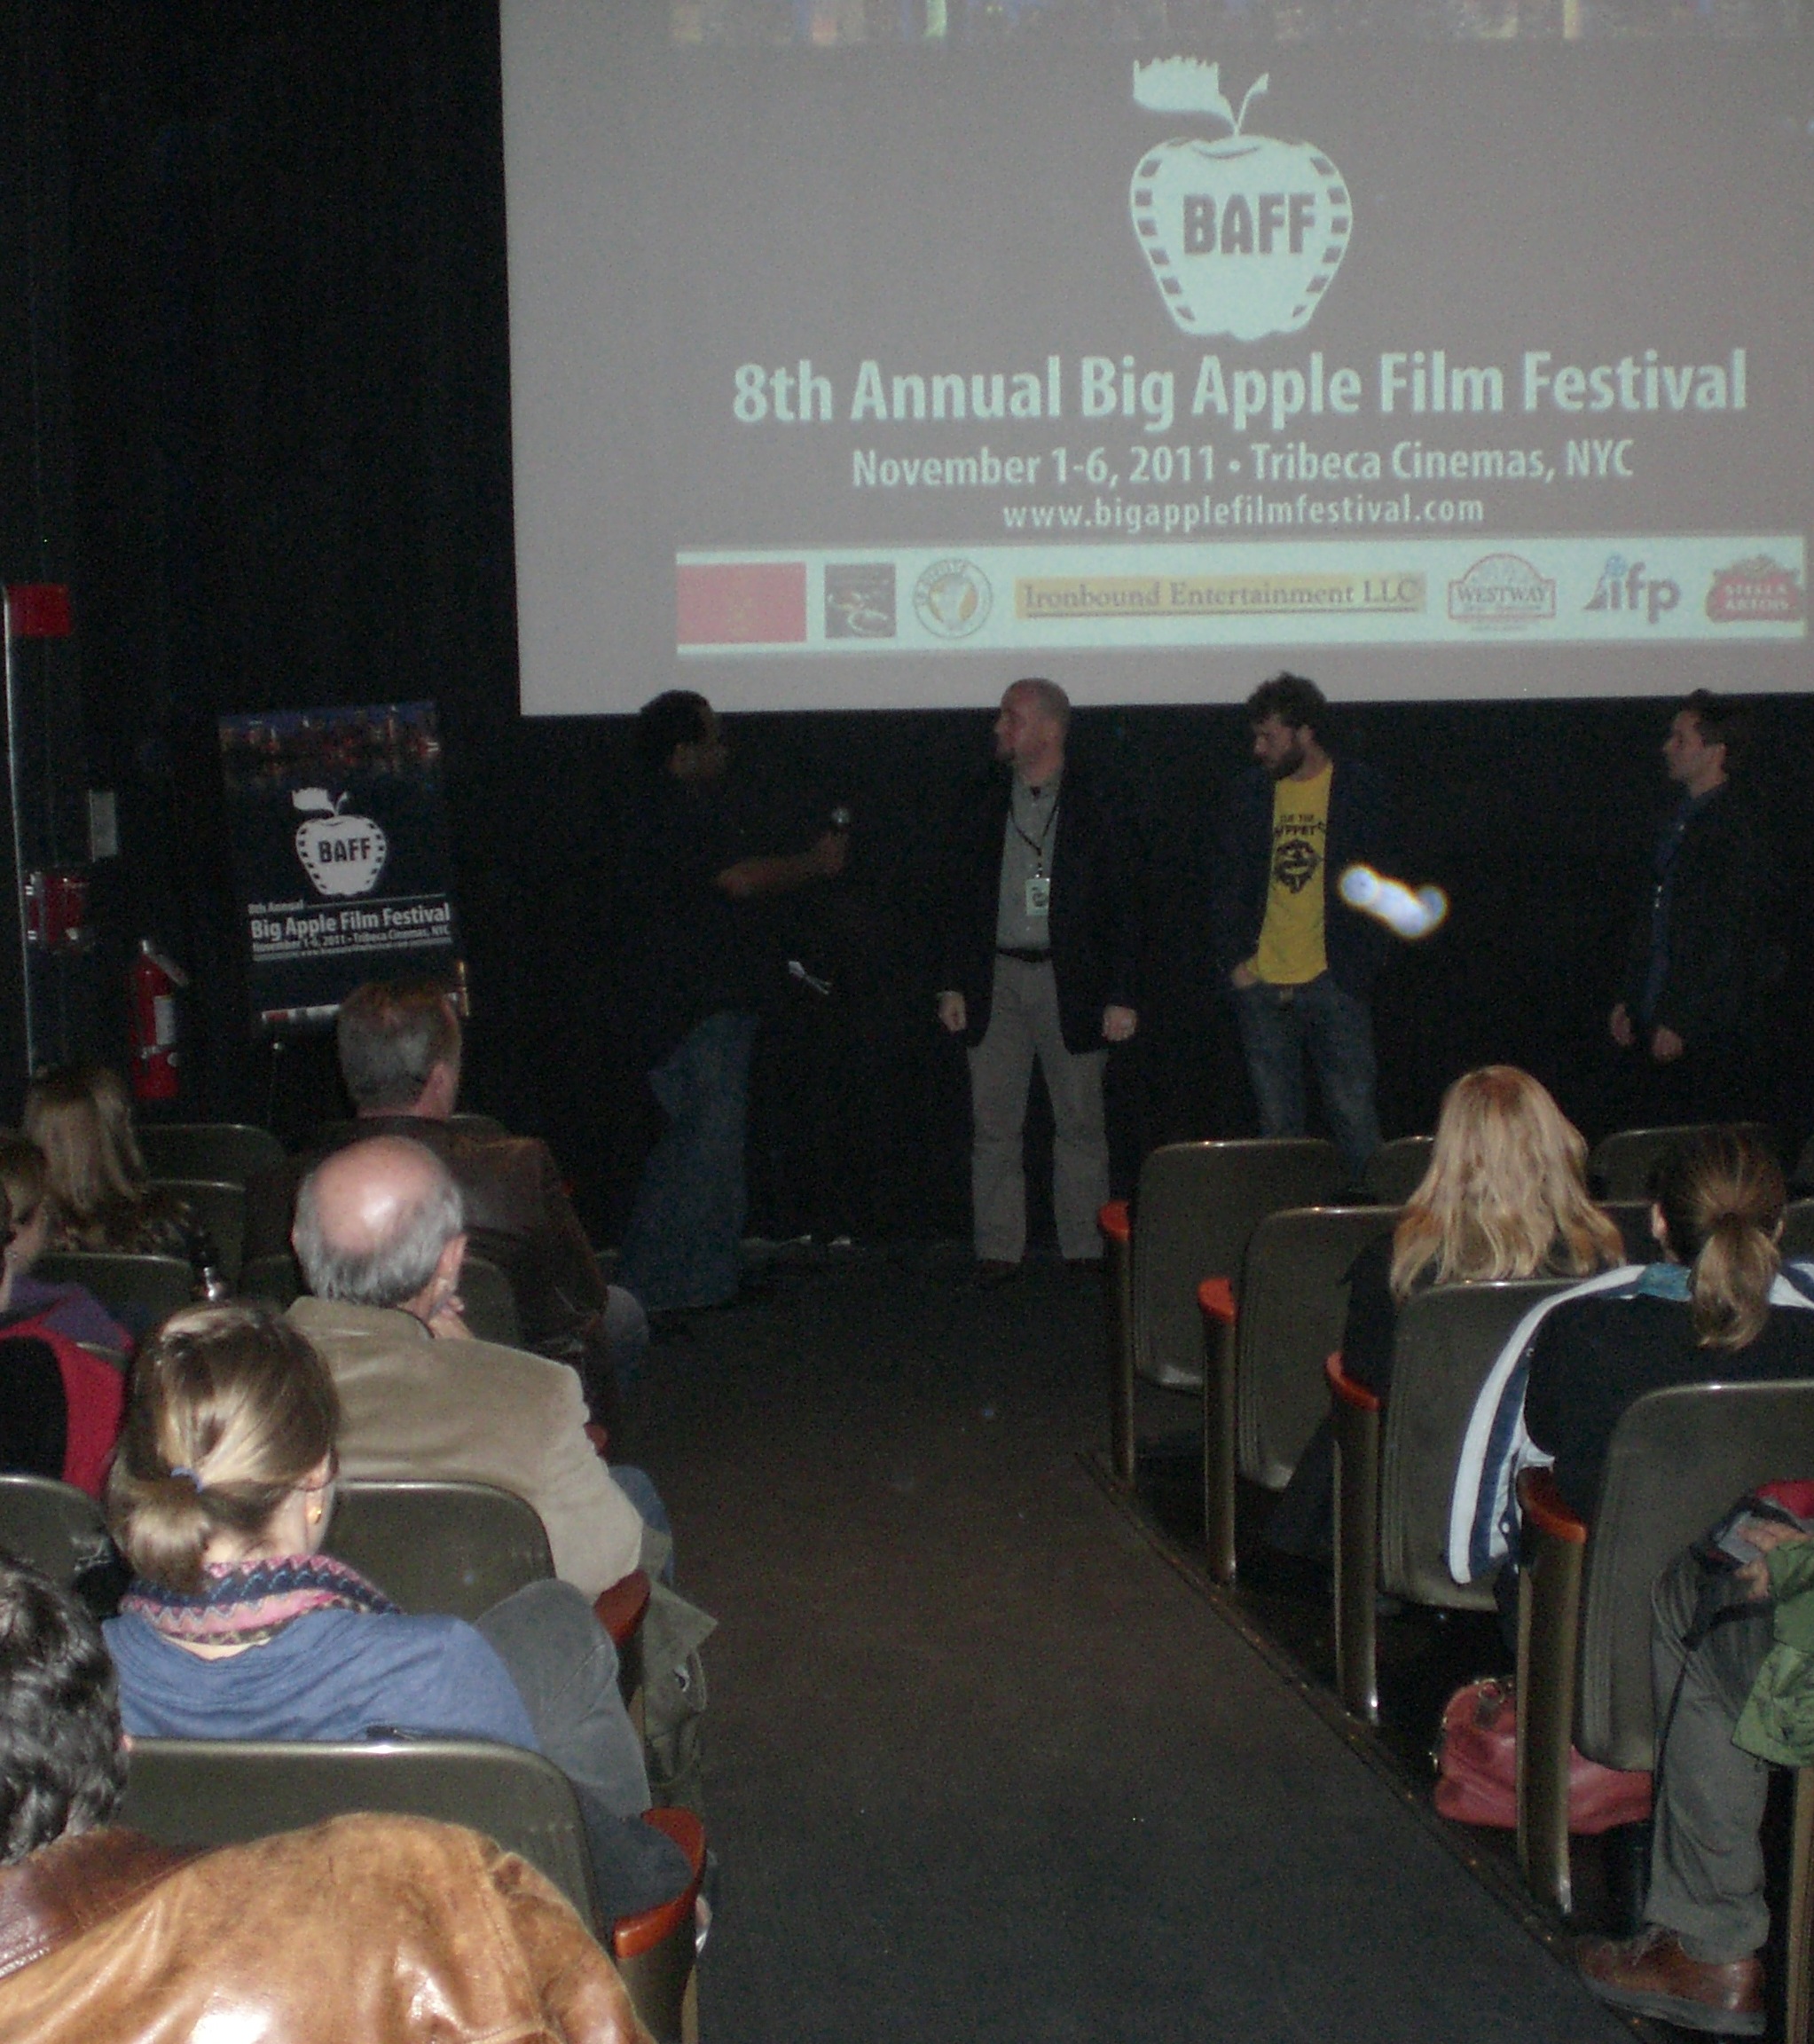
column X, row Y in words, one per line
column 1242, row 235
column 341, row 854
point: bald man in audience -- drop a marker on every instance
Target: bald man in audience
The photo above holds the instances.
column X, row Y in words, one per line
column 379, row 1236
column 400, row 1057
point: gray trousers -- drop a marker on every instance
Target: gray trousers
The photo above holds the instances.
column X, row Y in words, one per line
column 1706, row 1862
column 1023, row 1025
column 565, row 1669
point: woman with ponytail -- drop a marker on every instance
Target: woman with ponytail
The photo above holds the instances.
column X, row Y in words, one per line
column 237, row 1626
column 1719, row 1309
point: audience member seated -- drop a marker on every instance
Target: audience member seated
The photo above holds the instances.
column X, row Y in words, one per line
column 399, row 1043
column 70, row 1309
column 81, row 1118
column 379, row 1235
column 366, row 1927
column 1696, row 1962
column 236, row 1626
column 60, row 1406
column 1720, row 1307
column 1505, row 1196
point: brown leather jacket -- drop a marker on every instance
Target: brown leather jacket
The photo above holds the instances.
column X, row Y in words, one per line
column 390, row 1929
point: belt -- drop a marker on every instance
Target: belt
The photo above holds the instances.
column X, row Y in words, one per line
column 1022, row 955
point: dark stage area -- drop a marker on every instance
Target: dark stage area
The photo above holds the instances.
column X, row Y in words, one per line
column 289, row 409
column 988, row 1759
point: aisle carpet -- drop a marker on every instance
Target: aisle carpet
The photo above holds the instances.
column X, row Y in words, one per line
column 983, row 1765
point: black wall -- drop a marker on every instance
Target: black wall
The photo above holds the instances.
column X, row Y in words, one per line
column 289, row 365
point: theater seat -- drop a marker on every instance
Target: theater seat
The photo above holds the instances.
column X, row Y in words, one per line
column 55, row 1527
column 1620, row 1165
column 1679, row 1458
column 1264, row 1390
column 230, row 1149
column 1198, row 1204
column 137, row 1289
column 210, row 1792
column 1395, row 1462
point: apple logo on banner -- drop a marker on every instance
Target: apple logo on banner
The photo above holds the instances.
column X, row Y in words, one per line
column 341, row 854
column 1245, row 233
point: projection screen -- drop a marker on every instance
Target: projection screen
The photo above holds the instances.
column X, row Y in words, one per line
column 867, row 353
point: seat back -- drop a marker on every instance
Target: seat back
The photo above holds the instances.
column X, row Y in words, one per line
column 1620, row 1165
column 1798, row 1230
column 490, row 1302
column 1294, row 1297
column 1198, row 1204
column 1679, row 1458
column 215, row 1150
column 1631, row 1218
column 1396, row 1169
column 274, row 1278
column 219, row 1204
column 1445, row 1343
column 482, row 1128
column 210, row 1792
column 138, row 1290
column 55, row 1527
column 454, row 1549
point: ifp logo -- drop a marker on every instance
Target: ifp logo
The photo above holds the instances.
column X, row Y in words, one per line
column 1243, row 234
column 1624, row 586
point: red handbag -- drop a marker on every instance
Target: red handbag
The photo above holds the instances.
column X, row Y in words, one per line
column 1477, row 1769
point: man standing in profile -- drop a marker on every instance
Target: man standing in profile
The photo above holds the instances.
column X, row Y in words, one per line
column 1687, row 1023
column 1298, row 961
column 1041, row 938
column 695, row 981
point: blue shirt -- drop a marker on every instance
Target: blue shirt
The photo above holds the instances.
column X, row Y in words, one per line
column 332, row 1674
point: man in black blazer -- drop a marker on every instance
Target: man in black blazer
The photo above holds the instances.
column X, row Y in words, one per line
column 1039, row 939
column 1700, row 963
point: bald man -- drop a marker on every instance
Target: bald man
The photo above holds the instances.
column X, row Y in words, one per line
column 379, row 1234
column 1040, row 935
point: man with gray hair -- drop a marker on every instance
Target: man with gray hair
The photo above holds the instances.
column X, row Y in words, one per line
column 1040, row 936
column 400, row 1055
column 379, row 1236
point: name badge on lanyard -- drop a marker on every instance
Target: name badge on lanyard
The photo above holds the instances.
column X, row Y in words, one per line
column 1038, row 895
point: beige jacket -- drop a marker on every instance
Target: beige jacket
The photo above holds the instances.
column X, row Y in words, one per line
column 475, row 1412
column 385, row 1929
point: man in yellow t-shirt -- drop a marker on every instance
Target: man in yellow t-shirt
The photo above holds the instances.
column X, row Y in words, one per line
column 1299, row 962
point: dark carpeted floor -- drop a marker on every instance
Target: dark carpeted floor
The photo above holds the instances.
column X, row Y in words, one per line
column 984, row 1762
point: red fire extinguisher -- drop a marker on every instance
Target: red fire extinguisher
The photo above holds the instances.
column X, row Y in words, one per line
column 152, row 982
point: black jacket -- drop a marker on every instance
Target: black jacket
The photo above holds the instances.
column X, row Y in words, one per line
column 1359, row 829
column 1095, row 918
column 1719, row 924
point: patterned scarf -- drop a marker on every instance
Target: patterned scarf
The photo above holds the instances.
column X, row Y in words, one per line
column 247, row 1606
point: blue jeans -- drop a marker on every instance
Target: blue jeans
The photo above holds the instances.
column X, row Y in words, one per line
column 684, row 1245
column 1278, row 1024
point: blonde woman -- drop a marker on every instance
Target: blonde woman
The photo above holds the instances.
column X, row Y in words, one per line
column 1505, row 1196
column 81, row 1118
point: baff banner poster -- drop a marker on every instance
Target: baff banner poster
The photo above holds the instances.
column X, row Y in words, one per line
column 340, row 852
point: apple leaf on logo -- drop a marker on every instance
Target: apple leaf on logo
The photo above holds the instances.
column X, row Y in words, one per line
column 1188, row 85
column 315, row 802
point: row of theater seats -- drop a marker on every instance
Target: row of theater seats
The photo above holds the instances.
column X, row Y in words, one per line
column 1227, row 1283
column 453, row 1549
